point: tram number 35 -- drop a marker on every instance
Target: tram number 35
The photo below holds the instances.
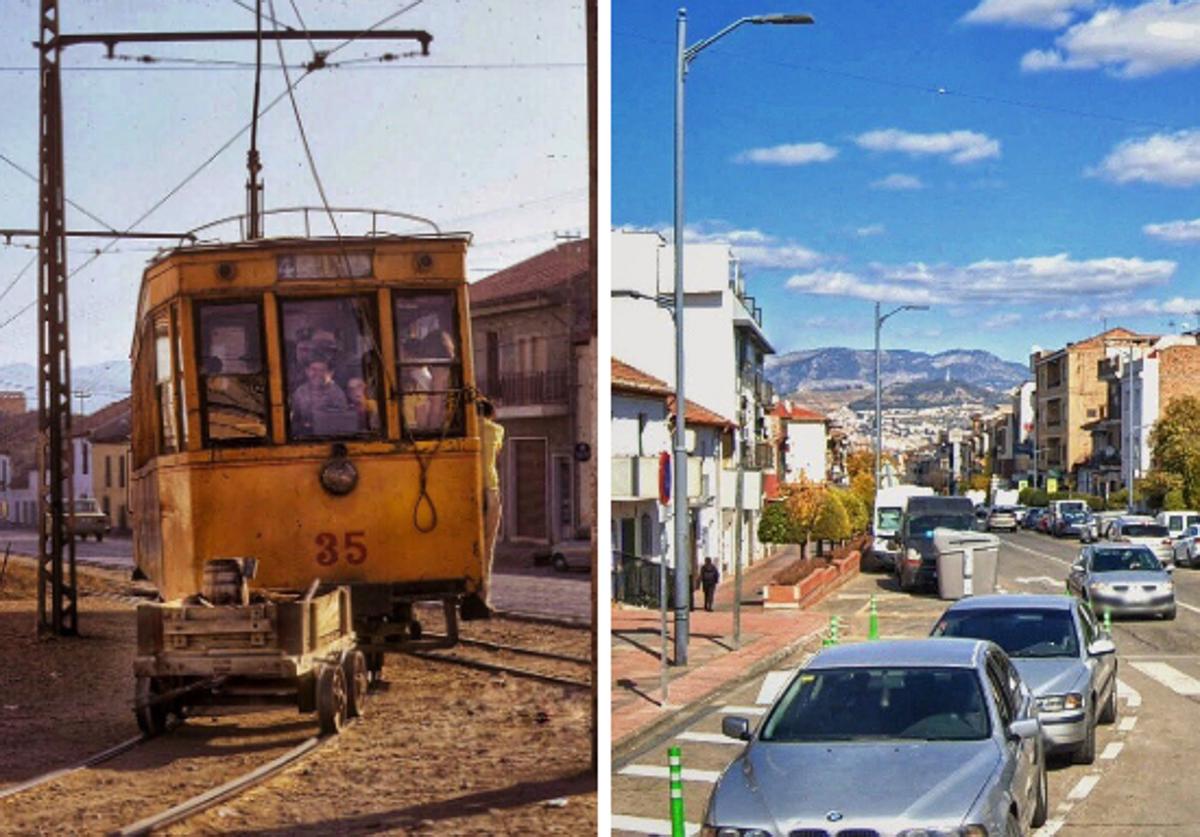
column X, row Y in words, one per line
column 350, row 546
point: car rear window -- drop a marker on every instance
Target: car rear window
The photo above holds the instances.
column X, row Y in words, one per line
column 1021, row 633
column 859, row 704
column 1144, row 530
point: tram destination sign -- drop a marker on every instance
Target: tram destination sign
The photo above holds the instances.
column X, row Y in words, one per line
column 350, row 265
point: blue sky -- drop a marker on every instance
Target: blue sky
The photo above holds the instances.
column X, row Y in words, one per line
column 1029, row 168
column 488, row 134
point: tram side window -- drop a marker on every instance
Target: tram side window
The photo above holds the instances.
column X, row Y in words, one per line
column 233, row 377
column 332, row 372
column 164, row 383
column 429, row 361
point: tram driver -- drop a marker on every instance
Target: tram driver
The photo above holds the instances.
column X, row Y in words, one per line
column 317, row 397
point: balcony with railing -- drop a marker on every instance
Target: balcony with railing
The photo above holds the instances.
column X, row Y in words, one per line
column 524, row 389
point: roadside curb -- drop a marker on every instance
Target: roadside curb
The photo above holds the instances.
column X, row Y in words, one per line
column 635, row 743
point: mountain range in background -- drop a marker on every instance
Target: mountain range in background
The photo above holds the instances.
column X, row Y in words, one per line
column 102, row 383
column 911, row 379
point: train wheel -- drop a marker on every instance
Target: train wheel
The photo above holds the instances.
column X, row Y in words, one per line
column 151, row 717
column 331, row 699
column 354, row 668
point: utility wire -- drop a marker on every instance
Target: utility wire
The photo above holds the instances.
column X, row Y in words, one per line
column 387, row 19
column 254, row 11
column 107, row 226
column 17, row 279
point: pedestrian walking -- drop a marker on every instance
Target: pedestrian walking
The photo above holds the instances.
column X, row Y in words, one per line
column 709, row 576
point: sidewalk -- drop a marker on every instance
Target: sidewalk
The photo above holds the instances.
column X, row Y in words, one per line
column 713, row 662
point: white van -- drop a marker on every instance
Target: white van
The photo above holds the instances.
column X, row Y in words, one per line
column 890, row 504
column 1177, row 521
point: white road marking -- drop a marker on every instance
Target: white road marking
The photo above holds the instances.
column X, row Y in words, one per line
column 654, row 771
column 1131, row 695
column 708, row 738
column 1039, row 579
column 772, row 685
column 743, row 710
column 1048, row 830
column 1037, row 552
column 1171, row 677
column 1127, row 724
column 645, row 825
column 1082, row 789
column 1187, row 606
column 1112, row 750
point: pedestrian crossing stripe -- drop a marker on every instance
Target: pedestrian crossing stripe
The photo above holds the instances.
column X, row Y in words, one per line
column 707, row 738
column 743, row 710
column 646, row 825
column 654, row 771
column 772, row 685
column 1171, row 677
column 1131, row 695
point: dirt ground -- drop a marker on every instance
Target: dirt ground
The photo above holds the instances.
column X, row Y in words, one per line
column 443, row 749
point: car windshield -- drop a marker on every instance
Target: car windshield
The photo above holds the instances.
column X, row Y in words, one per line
column 1075, row 517
column 1120, row 560
column 85, row 506
column 863, row 704
column 889, row 519
column 925, row 523
column 1021, row 633
column 1144, row 530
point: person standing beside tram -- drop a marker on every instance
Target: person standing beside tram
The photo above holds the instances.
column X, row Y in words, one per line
column 491, row 435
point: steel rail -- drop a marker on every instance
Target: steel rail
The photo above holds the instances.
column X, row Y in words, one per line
column 103, row 756
column 499, row 669
column 516, row 649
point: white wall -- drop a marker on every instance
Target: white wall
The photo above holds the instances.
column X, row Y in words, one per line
column 656, row 436
column 806, row 451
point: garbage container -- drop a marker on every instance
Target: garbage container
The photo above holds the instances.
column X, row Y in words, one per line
column 966, row 563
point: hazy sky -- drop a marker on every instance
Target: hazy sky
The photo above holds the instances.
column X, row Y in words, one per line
column 487, row 134
column 1026, row 167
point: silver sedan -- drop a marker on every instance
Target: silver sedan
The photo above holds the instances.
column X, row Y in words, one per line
column 948, row 721
column 1124, row 579
column 1061, row 653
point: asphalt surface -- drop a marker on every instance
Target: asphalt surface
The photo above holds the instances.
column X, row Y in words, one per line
column 1139, row 785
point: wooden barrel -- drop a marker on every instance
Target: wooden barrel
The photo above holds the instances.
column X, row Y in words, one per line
column 224, row 583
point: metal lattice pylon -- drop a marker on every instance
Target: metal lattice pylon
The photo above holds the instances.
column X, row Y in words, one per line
column 57, row 602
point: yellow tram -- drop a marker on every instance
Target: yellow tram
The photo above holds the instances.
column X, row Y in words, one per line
column 309, row 404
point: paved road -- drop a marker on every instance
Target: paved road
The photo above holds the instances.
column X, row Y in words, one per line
column 1140, row 784
column 534, row 590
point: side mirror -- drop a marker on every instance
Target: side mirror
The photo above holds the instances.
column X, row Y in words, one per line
column 1101, row 647
column 1025, row 728
column 1170, row 568
column 1077, row 567
column 736, row 727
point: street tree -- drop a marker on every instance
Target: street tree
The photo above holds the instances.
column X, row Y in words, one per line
column 1175, row 446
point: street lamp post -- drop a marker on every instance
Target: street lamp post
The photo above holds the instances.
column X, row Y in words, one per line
column 684, row 55
column 879, row 321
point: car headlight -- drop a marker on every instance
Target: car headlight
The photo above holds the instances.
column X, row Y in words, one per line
column 732, row 831
column 1060, row 703
column 955, row 831
column 1100, row 587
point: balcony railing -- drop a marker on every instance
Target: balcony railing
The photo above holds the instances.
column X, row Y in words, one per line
column 519, row 389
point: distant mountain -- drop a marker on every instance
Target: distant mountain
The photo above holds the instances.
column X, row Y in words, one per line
column 841, row 368
column 915, row 395
column 103, row 383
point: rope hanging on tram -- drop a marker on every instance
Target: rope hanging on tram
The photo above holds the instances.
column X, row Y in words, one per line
column 455, row 400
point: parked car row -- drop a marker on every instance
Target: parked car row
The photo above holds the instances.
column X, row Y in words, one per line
column 961, row 722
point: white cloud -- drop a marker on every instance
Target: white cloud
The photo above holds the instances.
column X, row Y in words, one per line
column 1167, row 159
column 1154, row 37
column 1175, row 231
column 960, row 146
column 1116, row 308
column 1002, row 321
column 870, row 230
column 1035, row 279
column 753, row 247
column 796, row 154
column 898, row 183
column 1039, row 14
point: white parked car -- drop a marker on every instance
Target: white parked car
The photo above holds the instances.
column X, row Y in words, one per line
column 1144, row 532
column 1186, row 547
column 1177, row 521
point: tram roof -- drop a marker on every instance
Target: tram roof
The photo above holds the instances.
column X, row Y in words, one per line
column 285, row 242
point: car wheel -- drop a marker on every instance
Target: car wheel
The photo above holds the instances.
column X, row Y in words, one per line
column 1170, row 614
column 1109, row 714
column 1041, row 808
column 1086, row 752
column 99, row 538
column 560, row 563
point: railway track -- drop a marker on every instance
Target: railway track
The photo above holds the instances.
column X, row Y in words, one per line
column 560, row 661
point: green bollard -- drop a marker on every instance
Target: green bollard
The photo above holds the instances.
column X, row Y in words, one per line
column 1108, row 621
column 873, row 620
column 837, row 629
column 675, row 760
column 1067, row 587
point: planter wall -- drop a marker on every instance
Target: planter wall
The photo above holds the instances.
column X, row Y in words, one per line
column 813, row 587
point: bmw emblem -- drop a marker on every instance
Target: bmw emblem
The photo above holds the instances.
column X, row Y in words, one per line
column 834, row 816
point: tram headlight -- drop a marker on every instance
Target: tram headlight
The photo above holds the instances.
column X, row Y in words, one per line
column 338, row 475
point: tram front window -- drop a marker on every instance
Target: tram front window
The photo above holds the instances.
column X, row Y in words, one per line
column 233, row 379
column 331, row 380
column 429, row 363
